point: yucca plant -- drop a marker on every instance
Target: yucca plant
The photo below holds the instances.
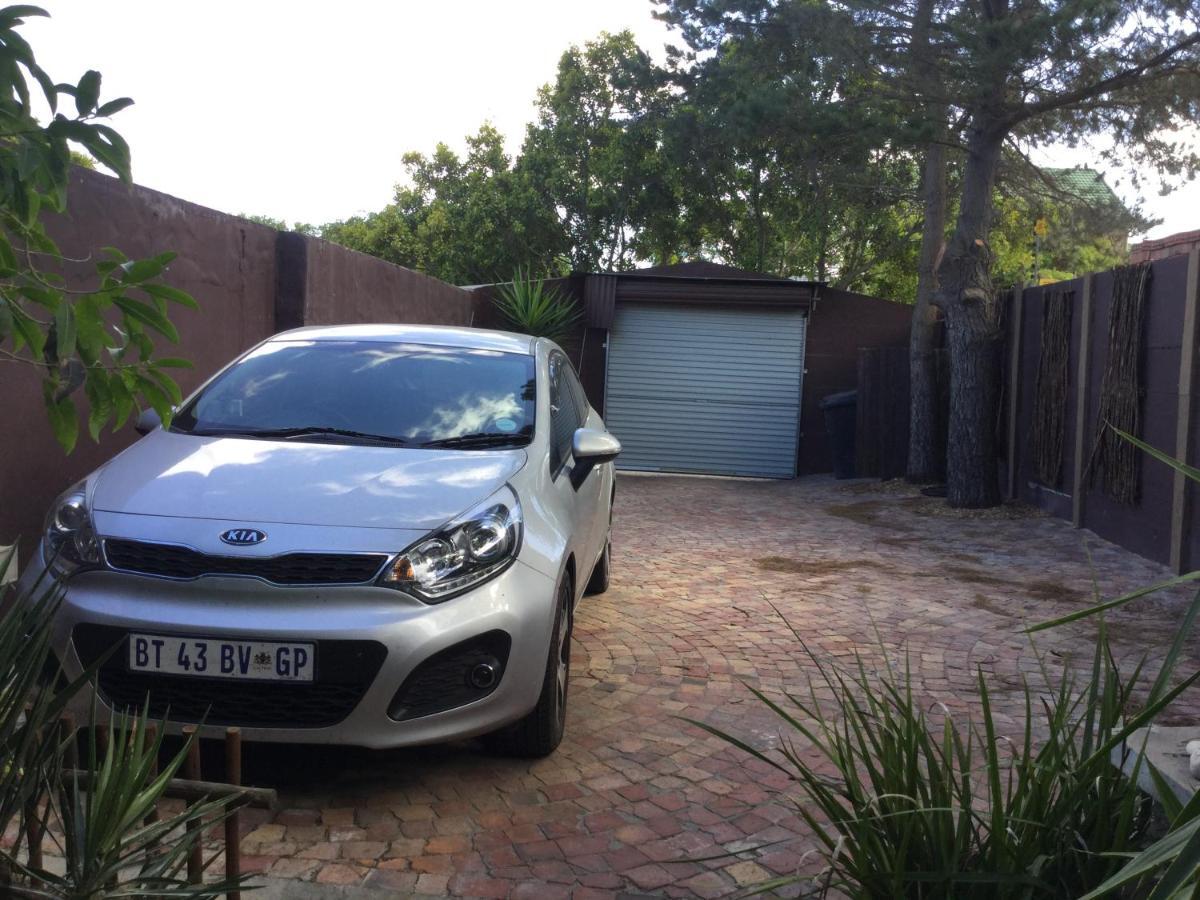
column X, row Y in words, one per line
column 920, row 809
column 532, row 308
column 97, row 817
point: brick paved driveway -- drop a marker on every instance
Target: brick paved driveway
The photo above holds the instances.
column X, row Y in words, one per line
column 701, row 567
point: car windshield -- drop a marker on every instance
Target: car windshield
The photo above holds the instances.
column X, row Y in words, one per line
column 360, row 391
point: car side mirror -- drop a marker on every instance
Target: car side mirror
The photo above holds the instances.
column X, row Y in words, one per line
column 147, row 421
column 591, row 447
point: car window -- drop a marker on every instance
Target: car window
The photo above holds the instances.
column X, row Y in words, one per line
column 414, row 393
column 577, row 391
column 564, row 414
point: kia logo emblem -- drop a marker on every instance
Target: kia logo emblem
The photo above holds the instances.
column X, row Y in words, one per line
column 243, row 537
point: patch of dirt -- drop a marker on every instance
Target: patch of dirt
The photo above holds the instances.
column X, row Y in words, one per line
column 998, row 607
column 964, row 557
column 973, row 576
column 866, row 512
column 891, row 486
column 916, row 502
column 1050, row 591
column 807, row 566
column 933, row 506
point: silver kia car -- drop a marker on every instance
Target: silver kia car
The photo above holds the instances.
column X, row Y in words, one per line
column 372, row 535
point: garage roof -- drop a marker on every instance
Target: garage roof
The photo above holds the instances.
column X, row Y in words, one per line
column 692, row 283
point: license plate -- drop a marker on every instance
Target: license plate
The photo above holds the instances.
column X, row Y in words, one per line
column 219, row 658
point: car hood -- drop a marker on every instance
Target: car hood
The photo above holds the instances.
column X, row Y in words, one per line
column 262, row 481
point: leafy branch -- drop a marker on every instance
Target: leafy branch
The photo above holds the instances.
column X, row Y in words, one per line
column 96, row 341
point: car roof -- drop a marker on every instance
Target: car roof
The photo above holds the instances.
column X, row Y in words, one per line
column 434, row 335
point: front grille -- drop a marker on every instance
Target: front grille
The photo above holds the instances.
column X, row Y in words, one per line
column 345, row 669
column 442, row 682
column 173, row 561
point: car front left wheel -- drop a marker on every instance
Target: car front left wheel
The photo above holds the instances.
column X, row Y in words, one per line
column 541, row 731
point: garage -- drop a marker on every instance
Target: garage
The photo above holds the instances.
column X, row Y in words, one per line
column 704, row 368
column 706, row 389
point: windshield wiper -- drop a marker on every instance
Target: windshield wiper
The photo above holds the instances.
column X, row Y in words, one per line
column 479, row 440
column 288, row 434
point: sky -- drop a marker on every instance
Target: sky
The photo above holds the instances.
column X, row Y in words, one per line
column 302, row 111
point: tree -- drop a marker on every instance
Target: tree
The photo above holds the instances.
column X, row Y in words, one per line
column 791, row 165
column 100, row 338
column 986, row 78
column 1038, row 72
column 466, row 220
column 280, row 224
column 595, row 155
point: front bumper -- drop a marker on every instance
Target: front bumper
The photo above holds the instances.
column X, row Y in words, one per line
column 518, row 603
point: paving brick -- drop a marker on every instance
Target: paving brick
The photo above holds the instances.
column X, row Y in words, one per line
column 707, row 571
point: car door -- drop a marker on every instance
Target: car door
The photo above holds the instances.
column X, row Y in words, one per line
column 565, row 418
column 595, row 493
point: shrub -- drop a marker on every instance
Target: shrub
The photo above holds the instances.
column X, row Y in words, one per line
column 109, row 845
column 928, row 810
column 532, row 308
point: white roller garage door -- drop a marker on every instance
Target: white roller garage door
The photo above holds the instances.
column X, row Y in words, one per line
column 704, row 389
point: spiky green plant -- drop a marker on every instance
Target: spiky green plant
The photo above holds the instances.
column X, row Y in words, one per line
column 530, row 307
column 108, row 846
column 924, row 810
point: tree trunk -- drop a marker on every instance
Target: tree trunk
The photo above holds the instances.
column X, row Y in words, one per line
column 966, row 298
column 926, row 434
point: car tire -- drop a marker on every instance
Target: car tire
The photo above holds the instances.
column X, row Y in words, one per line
column 541, row 731
column 601, row 575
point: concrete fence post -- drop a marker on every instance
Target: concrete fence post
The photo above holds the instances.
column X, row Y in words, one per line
column 1016, row 313
column 291, row 280
column 1082, row 375
column 1180, row 493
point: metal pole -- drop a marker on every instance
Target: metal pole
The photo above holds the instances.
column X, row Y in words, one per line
column 233, row 836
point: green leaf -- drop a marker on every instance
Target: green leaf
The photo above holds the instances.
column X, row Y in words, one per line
column 26, row 331
column 11, row 15
column 100, row 405
column 143, row 312
column 87, row 92
column 1158, row 854
column 171, row 294
column 1187, row 578
column 112, row 107
column 144, row 269
column 64, row 420
column 64, row 331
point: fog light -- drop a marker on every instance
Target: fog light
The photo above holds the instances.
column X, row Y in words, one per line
column 483, row 676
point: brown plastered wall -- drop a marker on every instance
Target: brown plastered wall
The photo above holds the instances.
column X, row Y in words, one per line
column 345, row 286
column 250, row 282
column 839, row 324
column 226, row 263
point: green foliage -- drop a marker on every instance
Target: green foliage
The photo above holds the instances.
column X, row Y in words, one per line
column 280, row 224
column 466, row 220
column 108, row 847
column 98, row 338
column 596, row 154
column 919, row 808
column 530, row 307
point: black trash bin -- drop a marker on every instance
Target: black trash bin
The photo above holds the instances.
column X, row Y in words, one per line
column 841, row 421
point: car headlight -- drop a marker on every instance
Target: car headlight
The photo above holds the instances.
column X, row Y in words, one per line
column 70, row 539
column 473, row 548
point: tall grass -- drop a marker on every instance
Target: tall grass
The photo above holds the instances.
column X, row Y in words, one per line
column 96, row 819
column 913, row 805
